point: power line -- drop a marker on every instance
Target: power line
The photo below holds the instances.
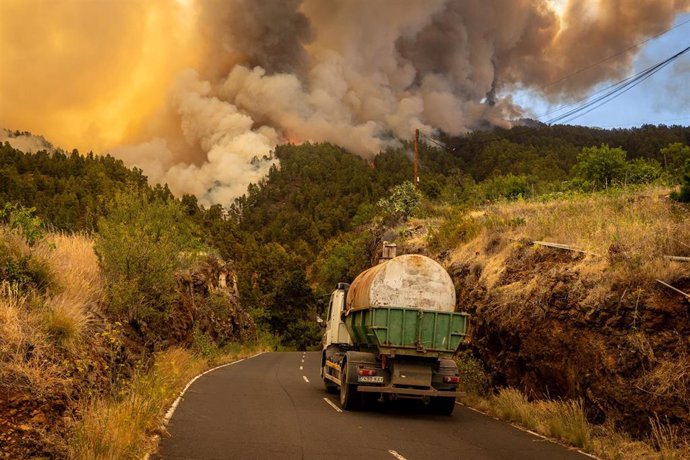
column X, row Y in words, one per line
column 611, row 92
column 577, row 103
column 613, row 56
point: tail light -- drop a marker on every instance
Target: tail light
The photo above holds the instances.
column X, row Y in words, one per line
column 366, row 372
column 451, row 379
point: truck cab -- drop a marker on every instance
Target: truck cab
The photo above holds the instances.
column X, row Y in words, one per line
column 336, row 331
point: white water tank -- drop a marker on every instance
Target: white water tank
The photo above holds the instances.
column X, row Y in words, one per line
column 410, row 281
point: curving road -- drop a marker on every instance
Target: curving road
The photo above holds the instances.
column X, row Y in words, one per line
column 273, row 406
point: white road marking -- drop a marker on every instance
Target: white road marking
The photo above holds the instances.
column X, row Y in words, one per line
column 553, row 441
column 396, row 455
column 305, row 378
column 171, row 411
column 301, row 368
column 330, row 403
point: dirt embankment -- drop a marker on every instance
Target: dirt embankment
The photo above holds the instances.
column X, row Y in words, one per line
column 552, row 325
column 596, row 325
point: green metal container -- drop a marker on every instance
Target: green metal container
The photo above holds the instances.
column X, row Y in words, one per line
column 406, row 331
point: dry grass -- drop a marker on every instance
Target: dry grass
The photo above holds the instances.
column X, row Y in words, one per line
column 74, row 262
column 27, row 358
column 670, row 378
column 37, row 328
column 627, row 234
column 123, row 428
column 111, row 429
column 70, row 310
column 565, row 421
column 667, row 441
column 640, row 227
column 562, row 420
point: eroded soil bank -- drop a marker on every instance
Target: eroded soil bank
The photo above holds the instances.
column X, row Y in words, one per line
column 560, row 325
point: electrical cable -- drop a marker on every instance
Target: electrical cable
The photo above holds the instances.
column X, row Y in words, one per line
column 613, row 91
column 620, row 53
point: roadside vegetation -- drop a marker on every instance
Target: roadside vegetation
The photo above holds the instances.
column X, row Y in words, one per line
column 566, row 420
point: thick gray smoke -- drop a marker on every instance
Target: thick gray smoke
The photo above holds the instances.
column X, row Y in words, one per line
column 362, row 73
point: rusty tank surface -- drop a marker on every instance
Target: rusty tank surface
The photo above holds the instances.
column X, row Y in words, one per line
column 407, row 281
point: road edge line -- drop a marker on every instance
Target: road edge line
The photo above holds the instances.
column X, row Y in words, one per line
column 545, row 438
column 171, row 410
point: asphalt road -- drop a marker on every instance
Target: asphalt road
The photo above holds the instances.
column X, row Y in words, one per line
column 274, row 406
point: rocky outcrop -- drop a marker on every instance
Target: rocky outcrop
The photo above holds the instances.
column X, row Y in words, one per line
column 210, row 303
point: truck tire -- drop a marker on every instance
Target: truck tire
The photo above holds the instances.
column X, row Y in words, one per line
column 442, row 406
column 349, row 398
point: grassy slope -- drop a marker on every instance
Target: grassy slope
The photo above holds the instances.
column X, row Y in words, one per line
column 51, row 349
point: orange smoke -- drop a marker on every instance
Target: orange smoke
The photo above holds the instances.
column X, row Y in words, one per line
column 87, row 74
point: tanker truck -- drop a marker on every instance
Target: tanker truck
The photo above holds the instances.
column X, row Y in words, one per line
column 392, row 333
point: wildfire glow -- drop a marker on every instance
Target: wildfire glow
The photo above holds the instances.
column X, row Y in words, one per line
column 87, row 74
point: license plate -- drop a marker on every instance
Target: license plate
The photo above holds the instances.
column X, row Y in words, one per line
column 370, row 379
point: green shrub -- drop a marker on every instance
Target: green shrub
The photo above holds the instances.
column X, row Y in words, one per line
column 142, row 243
column 204, row 345
column 473, row 378
column 23, row 221
column 601, row 166
column 505, row 187
column 684, row 194
column 403, row 202
column 642, row 171
column 342, row 259
column 18, row 265
column 675, row 157
column 453, row 232
column 292, row 312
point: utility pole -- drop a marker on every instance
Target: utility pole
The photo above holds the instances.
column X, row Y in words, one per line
column 416, row 158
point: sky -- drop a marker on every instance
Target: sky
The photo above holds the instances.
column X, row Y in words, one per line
column 662, row 99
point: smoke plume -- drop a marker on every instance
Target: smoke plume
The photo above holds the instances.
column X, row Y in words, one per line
column 198, row 93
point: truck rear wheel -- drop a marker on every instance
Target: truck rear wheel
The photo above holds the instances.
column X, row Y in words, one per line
column 349, row 397
column 442, row 406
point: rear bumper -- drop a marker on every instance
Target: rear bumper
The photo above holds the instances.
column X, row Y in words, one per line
column 407, row 391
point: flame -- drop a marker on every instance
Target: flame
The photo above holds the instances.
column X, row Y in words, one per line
column 293, row 139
